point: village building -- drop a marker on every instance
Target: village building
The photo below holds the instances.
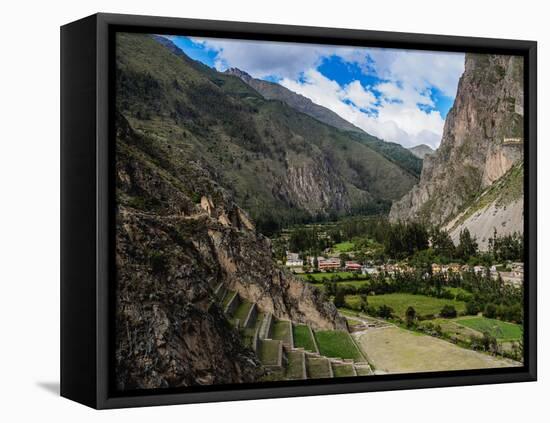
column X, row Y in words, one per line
column 438, row 268
column 328, row 263
column 293, row 260
column 352, row 266
column 517, row 270
column 511, row 278
column 479, row 270
column 454, row 267
column 369, row 270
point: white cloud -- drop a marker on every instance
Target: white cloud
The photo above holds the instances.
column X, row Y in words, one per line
column 419, row 69
column 361, row 97
column 264, row 58
column 397, row 117
column 402, row 100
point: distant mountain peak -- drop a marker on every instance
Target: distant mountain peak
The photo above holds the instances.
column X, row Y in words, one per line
column 421, row 150
column 239, row 73
column 274, row 91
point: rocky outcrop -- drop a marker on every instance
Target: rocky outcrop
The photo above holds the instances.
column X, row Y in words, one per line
column 316, row 187
column 482, row 140
column 173, row 247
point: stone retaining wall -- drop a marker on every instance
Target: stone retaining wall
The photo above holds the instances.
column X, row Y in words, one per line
column 291, row 334
column 232, row 305
column 266, row 326
column 251, row 316
column 314, row 340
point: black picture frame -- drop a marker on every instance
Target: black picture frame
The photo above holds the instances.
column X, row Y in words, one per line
column 87, row 208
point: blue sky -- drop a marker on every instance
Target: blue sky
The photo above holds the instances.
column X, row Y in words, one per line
column 397, row 95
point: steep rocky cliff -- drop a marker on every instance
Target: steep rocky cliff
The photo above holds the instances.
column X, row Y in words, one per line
column 173, row 247
column 482, row 140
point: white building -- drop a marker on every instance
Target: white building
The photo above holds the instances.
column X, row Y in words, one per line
column 293, row 260
column 366, row 270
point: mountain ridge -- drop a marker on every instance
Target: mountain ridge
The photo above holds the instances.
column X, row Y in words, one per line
column 309, row 169
column 274, row 91
column 482, row 140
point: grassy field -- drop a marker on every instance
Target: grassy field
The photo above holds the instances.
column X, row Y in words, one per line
column 453, row 330
column 344, row 247
column 395, row 350
column 342, row 370
column 337, row 343
column 317, row 367
column 281, row 331
column 294, row 368
column 399, row 302
column 459, row 291
column 322, row 276
column 503, row 331
column 355, row 284
column 302, row 338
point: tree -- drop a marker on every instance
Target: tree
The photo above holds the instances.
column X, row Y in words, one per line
column 330, row 288
column 404, row 239
column 442, row 243
column 489, row 342
column 364, row 304
column 410, row 316
column 507, row 247
column 340, row 298
column 335, row 236
column 343, row 258
column 468, row 245
column 471, row 308
column 490, row 311
column 385, row 311
column 448, row 311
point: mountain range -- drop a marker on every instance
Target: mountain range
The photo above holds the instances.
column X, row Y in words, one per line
column 307, row 169
column 273, row 91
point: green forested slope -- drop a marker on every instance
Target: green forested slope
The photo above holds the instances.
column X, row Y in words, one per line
column 280, row 165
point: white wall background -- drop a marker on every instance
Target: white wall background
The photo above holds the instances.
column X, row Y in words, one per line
column 29, row 209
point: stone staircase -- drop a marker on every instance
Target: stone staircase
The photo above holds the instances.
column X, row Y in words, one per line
column 273, row 341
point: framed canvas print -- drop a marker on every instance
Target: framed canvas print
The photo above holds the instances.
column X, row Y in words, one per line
column 254, row 211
